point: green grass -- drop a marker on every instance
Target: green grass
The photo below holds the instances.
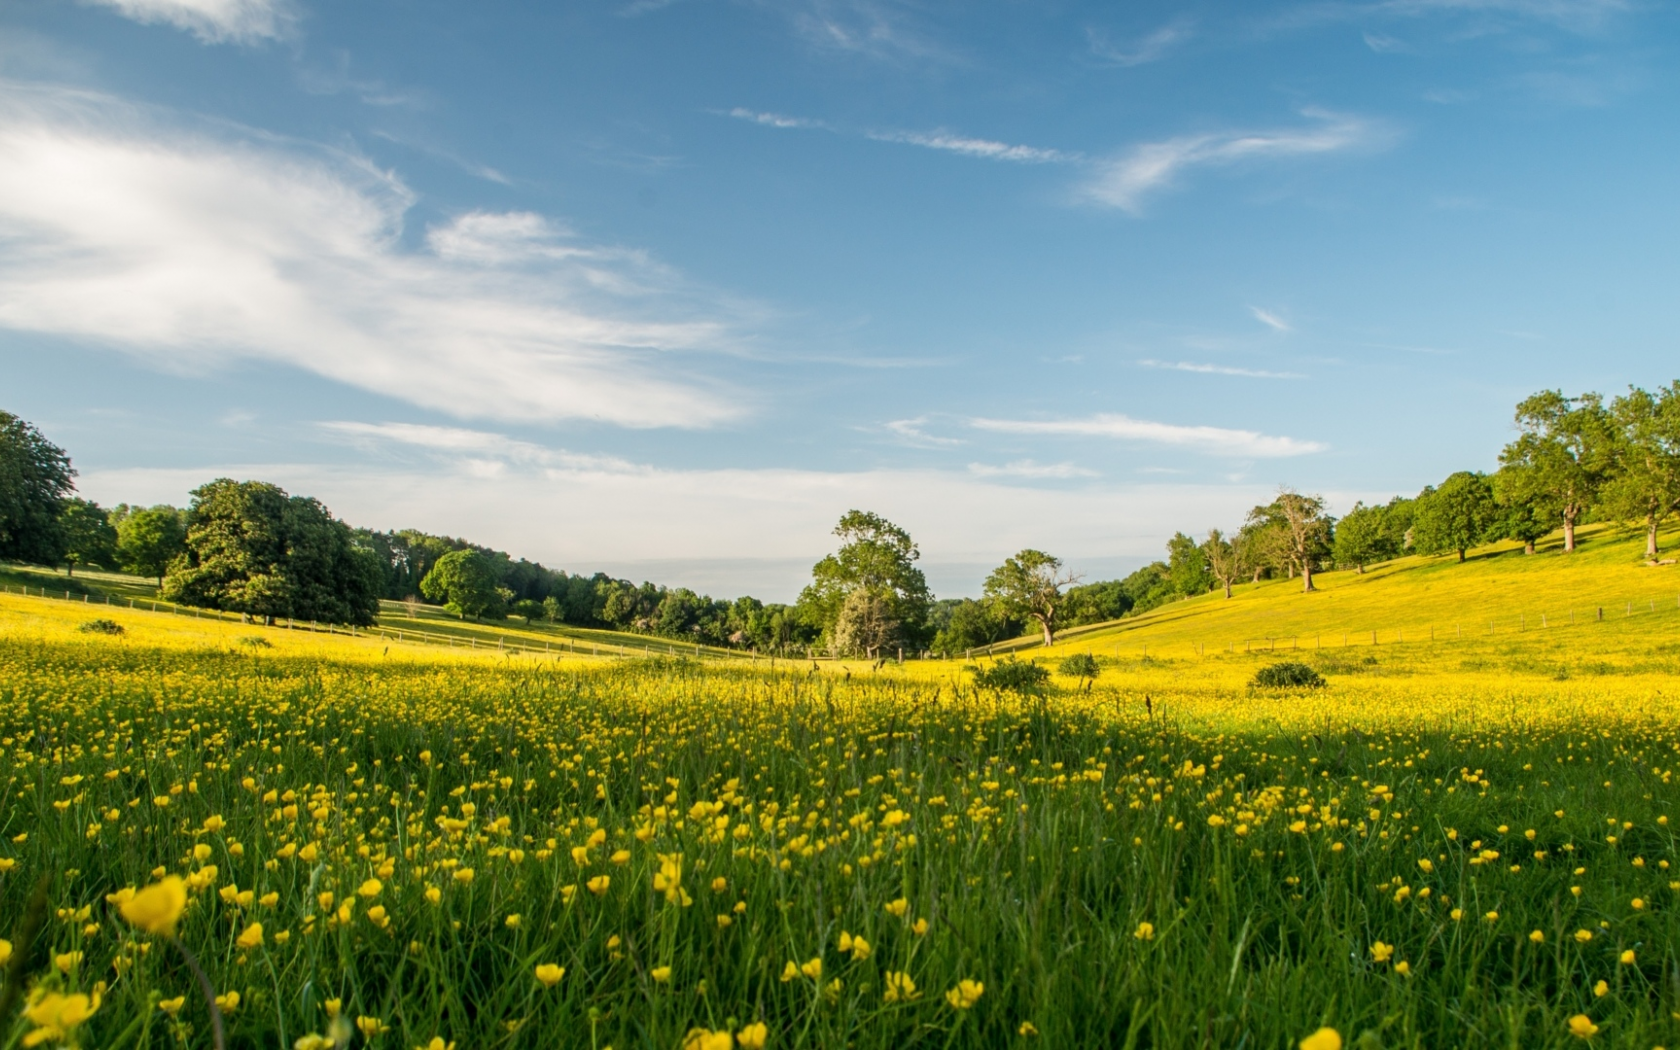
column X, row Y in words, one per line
column 1035, row 836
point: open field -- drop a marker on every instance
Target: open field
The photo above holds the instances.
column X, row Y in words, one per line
column 1457, row 844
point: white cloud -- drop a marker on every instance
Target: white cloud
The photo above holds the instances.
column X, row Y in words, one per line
column 1218, row 440
column 1148, row 49
column 1270, row 320
column 1219, row 370
column 193, row 250
column 213, row 21
column 911, row 432
column 973, row 147
column 1123, row 183
column 458, row 443
column 773, row 120
column 1026, row 468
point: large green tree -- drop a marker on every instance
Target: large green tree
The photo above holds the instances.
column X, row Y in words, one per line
column 1029, row 586
column 149, row 539
column 1456, row 516
column 35, row 482
column 253, row 549
column 89, row 538
column 1363, row 537
column 1561, row 456
column 1223, row 558
column 1296, row 530
column 1645, row 485
column 465, row 582
column 877, row 556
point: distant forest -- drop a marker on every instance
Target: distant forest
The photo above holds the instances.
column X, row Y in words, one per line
column 252, row 548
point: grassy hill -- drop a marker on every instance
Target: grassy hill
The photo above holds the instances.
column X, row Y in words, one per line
column 1497, row 592
column 419, row 623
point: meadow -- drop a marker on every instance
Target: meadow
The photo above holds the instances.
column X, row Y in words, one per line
column 1455, row 843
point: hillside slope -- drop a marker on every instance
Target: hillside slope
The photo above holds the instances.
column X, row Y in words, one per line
column 1498, row 593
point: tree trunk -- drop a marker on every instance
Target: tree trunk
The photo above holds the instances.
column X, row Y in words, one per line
column 1227, row 588
column 1049, row 635
column 69, row 570
column 1651, row 537
column 1306, row 577
column 1528, row 546
column 1359, row 570
column 1461, row 555
column 1568, row 531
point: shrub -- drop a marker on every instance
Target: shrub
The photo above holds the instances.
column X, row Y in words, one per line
column 1287, row 675
column 1015, row 675
column 101, row 626
column 255, row 642
column 1080, row 665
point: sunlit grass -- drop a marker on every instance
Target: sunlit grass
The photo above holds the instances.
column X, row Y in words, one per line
column 1168, row 859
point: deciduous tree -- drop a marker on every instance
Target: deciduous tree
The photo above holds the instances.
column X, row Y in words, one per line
column 464, row 582
column 253, row 549
column 35, row 482
column 1645, row 485
column 149, row 539
column 1301, row 530
column 89, row 538
column 1029, row 586
column 1363, row 537
column 1456, row 516
column 1223, row 559
column 1562, row 456
column 876, row 556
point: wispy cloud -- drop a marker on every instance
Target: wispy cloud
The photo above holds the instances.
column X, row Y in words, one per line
column 1383, row 44
column 1219, row 370
column 459, row 442
column 773, row 120
column 1146, row 49
column 973, row 147
column 1270, row 320
column 194, row 250
column 213, row 21
column 948, row 142
column 1026, row 468
column 876, row 29
column 911, row 432
column 1123, row 183
column 1219, row 440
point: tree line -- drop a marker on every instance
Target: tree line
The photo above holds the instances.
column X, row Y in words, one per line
column 250, row 547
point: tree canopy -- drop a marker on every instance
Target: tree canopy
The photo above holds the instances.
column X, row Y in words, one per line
column 35, row 482
column 1457, row 516
column 465, row 583
column 876, row 556
column 89, row 539
column 1029, row 586
column 1561, row 457
column 253, row 549
column 149, row 539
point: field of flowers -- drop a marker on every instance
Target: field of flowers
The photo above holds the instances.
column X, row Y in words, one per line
column 344, row 842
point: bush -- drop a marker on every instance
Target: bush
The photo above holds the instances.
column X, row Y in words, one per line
column 1080, row 665
column 1287, row 675
column 1011, row 674
column 255, row 642
column 101, row 626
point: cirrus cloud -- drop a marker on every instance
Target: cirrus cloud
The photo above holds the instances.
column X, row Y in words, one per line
column 192, row 250
column 1217, row 440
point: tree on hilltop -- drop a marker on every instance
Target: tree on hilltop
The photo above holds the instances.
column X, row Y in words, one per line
column 1299, row 529
column 1645, row 486
column 1029, row 586
column 1456, row 516
column 149, row 539
column 1363, row 537
column 1224, row 559
column 1560, row 460
column 89, row 538
column 465, row 582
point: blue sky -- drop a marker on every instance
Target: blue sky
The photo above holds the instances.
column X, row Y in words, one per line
column 665, row 287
